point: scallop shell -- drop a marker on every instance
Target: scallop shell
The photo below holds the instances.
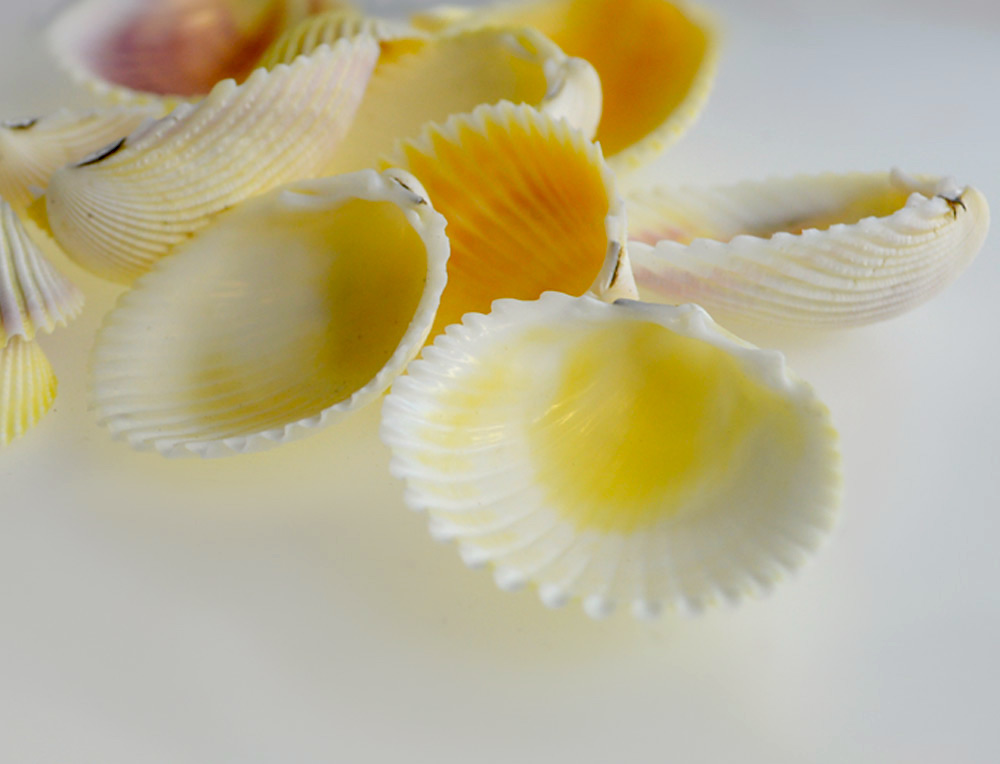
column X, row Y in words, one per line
column 34, row 296
column 286, row 313
column 27, row 387
column 32, row 149
column 656, row 61
column 119, row 211
column 135, row 51
column 811, row 251
column 619, row 453
column 326, row 29
column 418, row 81
column 531, row 206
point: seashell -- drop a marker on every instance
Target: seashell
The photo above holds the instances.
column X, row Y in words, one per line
column 135, row 51
column 325, row 29
column 34, row 296
column 617, row 453
column 32, row 149
column 656, row 61
column 289, row 311
column 120, row 210
column 823, row 251
column 418, row 81
column 27, row 387
column 531, row 206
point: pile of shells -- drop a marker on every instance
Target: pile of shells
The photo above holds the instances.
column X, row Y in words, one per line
column 304, row 199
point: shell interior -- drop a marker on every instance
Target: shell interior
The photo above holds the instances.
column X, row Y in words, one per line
column 618, row 453
column 137, row 50
column 656, row 61
column 421, row 81
column 531, row 206
column 811, row 251
column 121, row 209
column 287, row 311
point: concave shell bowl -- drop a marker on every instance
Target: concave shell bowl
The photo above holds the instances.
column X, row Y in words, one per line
column 289, row 311
column 619, row 453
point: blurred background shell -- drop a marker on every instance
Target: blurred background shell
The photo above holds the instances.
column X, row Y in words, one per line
column 420, row 80
column 134, row 51
column 656, row 61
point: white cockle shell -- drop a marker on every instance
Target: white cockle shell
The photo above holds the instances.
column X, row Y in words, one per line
column 34, row 295
column 287, row 312
column 616, row 453
column 124, row 208
column 822, row 252
column 32, row 149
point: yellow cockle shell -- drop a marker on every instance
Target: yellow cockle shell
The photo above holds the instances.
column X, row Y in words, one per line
column 421, row 80
column 286, row 313
column 120, row 210
column 656, row 61
column 531, row 207
column 616, row 453
column 27, row 387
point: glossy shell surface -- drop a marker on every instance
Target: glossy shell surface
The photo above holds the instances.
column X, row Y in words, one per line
column 617, row 453
column 289, row 311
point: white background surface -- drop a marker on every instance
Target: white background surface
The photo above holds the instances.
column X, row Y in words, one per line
column 286, row 607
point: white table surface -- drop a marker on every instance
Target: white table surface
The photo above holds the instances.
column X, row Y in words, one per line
column 286, row 607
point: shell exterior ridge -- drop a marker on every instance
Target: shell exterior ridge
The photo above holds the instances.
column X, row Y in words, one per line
column 540, row 186
column 27, row 387
column 34, row 295
column 127, row 206
column 807, row 251
column 31, row 150
column 328, row 26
